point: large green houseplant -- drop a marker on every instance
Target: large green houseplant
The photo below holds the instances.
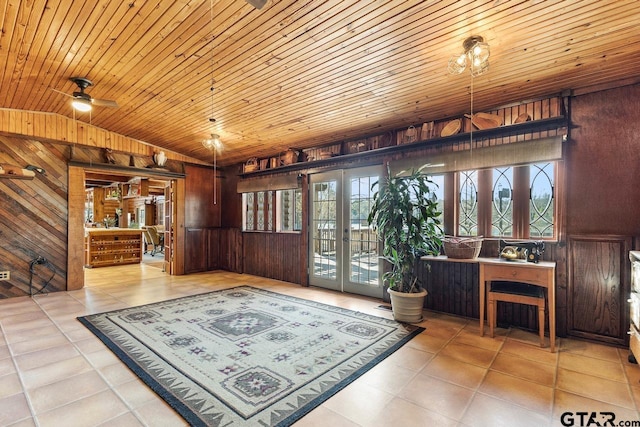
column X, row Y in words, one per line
column 406, row 217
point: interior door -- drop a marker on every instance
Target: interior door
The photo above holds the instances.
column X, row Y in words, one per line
column 343, row 248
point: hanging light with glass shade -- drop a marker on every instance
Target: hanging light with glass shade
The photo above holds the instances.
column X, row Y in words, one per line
column 214, row 144
column 475, row 57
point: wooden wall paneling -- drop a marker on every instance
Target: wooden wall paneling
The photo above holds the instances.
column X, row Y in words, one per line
column 200, row 210
column 273, row 255
column 452, row 287
column 33, row 216
column 213, row 249
column 598, row 287
column 196, row 253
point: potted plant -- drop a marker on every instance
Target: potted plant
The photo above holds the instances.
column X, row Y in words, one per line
column 405, row 214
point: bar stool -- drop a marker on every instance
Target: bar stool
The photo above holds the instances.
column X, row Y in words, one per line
column 519, row 293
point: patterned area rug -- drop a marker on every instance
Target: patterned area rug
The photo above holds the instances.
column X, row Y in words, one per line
column 247, row 356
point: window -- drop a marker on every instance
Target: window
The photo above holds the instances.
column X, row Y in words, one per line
column 515, row 202
column 257, row 214
column 501, row 203
column 468, row 204
column 439, row 191
column 289, row 203
column 541, row 200
column 269, row 211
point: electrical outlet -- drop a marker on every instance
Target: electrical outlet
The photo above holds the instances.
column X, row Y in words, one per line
column 5, row 275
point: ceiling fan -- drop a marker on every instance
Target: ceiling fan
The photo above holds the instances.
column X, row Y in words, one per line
column 82, row 101
column 258, row 4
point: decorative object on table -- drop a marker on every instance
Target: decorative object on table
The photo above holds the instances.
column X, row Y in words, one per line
column 485, row 120
column 462, row 247
column 245, row 356
column 159, row 158
column 405, row 215
column 451, row 128
column 109, row 221
column 531, row 250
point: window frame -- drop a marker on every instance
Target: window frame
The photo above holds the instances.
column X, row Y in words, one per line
column 520, row 199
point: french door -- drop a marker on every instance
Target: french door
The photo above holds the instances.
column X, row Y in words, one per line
column 343, row 249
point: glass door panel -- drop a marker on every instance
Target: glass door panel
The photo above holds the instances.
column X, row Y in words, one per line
column 343, row 249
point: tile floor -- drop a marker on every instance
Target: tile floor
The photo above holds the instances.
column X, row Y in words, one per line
column 54, row 372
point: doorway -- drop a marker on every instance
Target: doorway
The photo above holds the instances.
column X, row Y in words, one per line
column 343, row 249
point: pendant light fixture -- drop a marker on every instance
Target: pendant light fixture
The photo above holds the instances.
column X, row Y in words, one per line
column 214, row 144
column 475, row 57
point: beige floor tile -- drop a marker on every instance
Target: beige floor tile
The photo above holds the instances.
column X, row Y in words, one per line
column 125, row 420
column 388, row 377
column 323, row 417
column 135, row 393
column 39, row 343
column 410, row 358
column 595, row 388
column 570, row 402
column 437, row 396
column 530, row 370
column 428, row 342
column 350, row 404
column 28, row 422
column 454, row 371
column 431, row 381
column 469, row 354
column 117, row 374
column 7, row 367
column 158, row 413
column 4, row 350
column 531, row 352
column 36, row 359
column 592, row 366
column 53, row 372
column 9, row 385
column 399, row 412
column 590, row 349
column 487, row 411
column 14, row 408
column 90, row 411
column 468, row 337
column 68, row 390
column 529, row 395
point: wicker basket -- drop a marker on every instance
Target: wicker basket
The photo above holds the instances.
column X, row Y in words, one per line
column 462, row 247
column 251, row 165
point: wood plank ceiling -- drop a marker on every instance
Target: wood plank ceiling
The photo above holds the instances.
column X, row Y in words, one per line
column 300, row 73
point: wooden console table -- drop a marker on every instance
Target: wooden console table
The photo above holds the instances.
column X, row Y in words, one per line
column 540, row 274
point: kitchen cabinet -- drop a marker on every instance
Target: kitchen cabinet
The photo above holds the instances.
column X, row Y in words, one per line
column 112, row 246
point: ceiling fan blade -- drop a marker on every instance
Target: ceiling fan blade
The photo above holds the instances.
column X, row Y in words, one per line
column 104, row 103
column 63, row 93
column 258, row 4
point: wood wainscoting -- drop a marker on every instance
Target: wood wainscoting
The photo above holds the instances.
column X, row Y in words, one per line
column 281, row 256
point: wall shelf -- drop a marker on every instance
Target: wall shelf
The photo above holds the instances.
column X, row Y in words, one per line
column 524, row 128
